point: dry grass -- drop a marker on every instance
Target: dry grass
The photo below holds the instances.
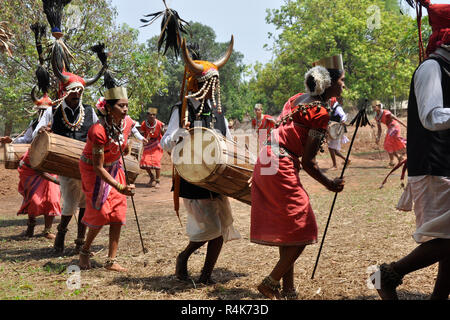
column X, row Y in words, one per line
column 365, row 229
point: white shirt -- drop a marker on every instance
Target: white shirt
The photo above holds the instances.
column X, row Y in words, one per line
column 429, row 95
column 170, row 138
column 47, row 117
column 27, row 137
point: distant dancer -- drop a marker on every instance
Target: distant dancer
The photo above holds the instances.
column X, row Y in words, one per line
column 393, row 141
column 336, row 131
column 153, row 130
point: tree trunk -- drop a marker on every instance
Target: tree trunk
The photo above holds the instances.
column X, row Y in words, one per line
column 8, row 127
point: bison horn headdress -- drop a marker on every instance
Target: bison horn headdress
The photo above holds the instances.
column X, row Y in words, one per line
column 203, row 76
column 61, row 56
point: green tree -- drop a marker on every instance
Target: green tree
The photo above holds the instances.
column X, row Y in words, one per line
column 377, row 43
column 85, row 23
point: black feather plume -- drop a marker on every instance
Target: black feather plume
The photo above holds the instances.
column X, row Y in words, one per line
column 194, row 50
column 412, row 3
column 43, row 78
column 171, row 28
column 53, row 9
column 109, row 81
column 99, row 49
column 39, row 31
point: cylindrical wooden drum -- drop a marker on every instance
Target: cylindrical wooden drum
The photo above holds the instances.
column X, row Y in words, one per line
column 209, row 160
column 136, row 148
column 60, row 155
column 13, row 153
column 2, row 153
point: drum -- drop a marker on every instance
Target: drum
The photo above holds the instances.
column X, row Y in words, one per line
column 13, row 153
column 136, row 148
column 335, row 130
column 2, row 153
column 209, row 160
column 60, row 155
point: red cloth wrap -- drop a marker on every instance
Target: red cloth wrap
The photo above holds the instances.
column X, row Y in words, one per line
column 40, row 196
column 281, row 212
column 104, row 204
column 153, row 153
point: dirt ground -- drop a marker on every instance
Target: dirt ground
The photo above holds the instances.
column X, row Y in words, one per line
column 365, row 230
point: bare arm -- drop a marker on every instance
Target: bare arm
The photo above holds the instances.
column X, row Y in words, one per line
column 377, row 139
column 397, row 119
column 312, row 168
column 98, row 160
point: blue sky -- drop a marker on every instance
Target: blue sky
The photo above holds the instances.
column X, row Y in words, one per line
column 245, row 19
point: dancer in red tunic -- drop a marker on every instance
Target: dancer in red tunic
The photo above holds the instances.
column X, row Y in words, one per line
column 41, row 196
column 393, row 142
column 153, row 130
column 281, row 213
column 263, row 124
column 102, row 174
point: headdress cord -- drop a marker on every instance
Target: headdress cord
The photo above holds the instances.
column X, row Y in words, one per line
column 132, row 199
column 359, row 118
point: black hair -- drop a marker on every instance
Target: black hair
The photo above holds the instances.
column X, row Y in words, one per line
column 335, row 74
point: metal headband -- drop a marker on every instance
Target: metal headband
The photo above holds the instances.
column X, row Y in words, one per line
column 116, row 93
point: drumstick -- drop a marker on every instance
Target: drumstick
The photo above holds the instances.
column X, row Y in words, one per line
column 144, row 250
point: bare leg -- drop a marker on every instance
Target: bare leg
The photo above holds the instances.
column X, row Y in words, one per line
column 285, row 265
column 157, row 174
column 426, row 254
column 48, row 222
column 333, row 157
column 152, row 177
column 31, row 223
column 85, row 250
column 391, row 159
column 442, row 287
column 212, row 254
column 81, row 231
column 61, row 234
column 288, row 256
column 182, row 259
column 114, row 235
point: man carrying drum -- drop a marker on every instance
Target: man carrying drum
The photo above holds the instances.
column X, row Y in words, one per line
column 209, row 218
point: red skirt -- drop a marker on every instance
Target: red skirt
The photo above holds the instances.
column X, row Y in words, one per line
column 281, row 213
column 40, row 196
column 104, row 204
column 393, row 141
column 152, row 155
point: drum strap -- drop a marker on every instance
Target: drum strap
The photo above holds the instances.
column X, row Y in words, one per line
column 280, row 151
column 89, row 161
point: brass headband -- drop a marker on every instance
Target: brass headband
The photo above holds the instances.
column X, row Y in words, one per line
column 116, row 93
column 152, row 110
column 334, row 62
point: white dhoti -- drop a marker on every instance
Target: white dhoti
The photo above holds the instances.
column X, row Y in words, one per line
column 209, row 219
column 72, row 195
column 431, row 198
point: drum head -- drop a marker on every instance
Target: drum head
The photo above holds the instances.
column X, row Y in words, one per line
column 39, row 149
column 335, row 130
column 198, row 155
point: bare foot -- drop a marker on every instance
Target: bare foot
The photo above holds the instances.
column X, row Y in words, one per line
column 268, row 293
column 85, row 263
column 49, row 236
column 116, row 267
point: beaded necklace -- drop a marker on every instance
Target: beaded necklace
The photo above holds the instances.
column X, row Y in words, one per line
column 114, row 132
column 151, row 128
column 78, row 123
